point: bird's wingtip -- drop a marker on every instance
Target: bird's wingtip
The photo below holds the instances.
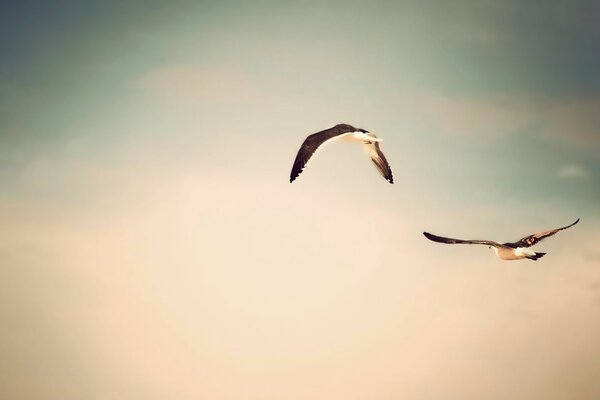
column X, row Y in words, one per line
column 574, row 223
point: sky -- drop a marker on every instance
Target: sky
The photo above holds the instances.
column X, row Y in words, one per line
column 152, row 247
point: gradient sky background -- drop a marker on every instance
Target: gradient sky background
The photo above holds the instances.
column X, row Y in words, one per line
column 152, row 247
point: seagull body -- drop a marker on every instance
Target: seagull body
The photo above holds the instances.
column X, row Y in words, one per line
column 346, row 133
column 507, row 251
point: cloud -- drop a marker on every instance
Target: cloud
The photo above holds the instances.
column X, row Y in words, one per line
column 204, row 85
column 572, row 171
column 466, row 116
column 232, row 277
column 573, row 118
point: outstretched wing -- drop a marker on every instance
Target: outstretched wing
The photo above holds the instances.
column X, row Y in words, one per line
column 312, row 143
column 446, row 240
column 530, row 240
column 379, row 160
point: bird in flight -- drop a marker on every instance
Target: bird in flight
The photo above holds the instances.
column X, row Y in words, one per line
column 507, row 251
column 346, row 133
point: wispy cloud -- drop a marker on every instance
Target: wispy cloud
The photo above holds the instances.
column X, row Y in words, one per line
column 469, row 116
column 572, row 171
column 200, row 84
column 574, row 118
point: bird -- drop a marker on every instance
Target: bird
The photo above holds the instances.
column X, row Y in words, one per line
column 347, row 133
column 507, row 251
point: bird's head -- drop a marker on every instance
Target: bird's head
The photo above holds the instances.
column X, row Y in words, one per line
column 366, row 135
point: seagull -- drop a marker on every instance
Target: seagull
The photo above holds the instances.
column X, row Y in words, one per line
column 346, row 133
column 507, row 251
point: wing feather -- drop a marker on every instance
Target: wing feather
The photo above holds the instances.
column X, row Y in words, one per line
column 531, row 240
column 379, row 160
column 446, row 240
column 312, row 143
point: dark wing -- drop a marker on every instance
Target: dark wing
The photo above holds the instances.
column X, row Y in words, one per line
column 312, row 143
column 379, row 160
column 441, row 239
column 530, row 240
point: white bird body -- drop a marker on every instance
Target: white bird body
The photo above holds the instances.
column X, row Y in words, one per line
column 509, row 254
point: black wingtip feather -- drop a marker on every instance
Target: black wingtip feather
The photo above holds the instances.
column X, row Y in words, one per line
column 434, row 238
column 537, row 256
column 574, row 223
column 430, row 236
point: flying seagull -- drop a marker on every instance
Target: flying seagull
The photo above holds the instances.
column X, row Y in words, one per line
column 346, row 133
column 507, row 251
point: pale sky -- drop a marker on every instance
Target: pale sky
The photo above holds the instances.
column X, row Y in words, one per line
column 152, row 246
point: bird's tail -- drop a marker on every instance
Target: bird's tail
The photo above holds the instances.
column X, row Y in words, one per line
column 536, row 256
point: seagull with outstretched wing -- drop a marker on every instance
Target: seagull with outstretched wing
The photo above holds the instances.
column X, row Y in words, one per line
column 507, row 251
column 346, row 133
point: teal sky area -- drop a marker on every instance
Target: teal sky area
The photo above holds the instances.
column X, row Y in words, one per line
column 504, row 89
